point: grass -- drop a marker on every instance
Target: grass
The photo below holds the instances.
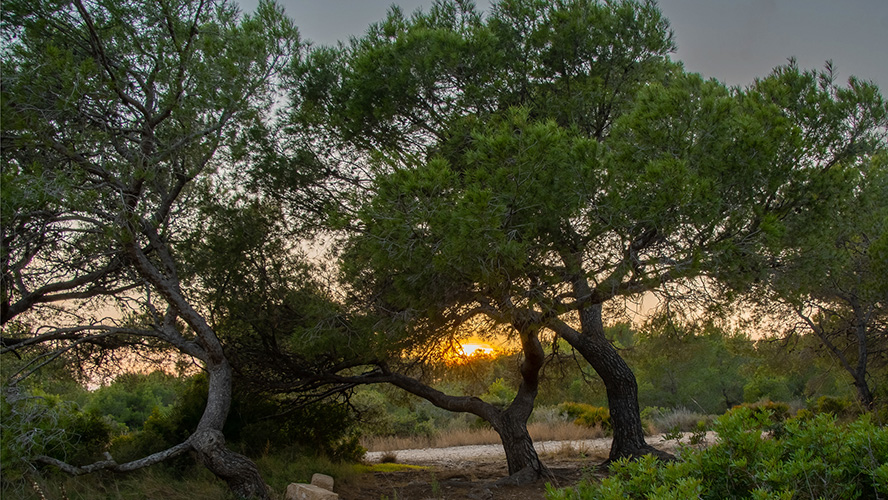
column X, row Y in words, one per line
column 189, row 483
column 539, row 431
column 678, row 419
column 386, row 467
column 153, row 482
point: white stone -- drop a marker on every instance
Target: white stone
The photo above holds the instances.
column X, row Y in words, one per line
column 298, row 491
column 322, row 480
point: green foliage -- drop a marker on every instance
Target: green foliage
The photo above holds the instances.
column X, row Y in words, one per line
column 131, row 398
column 36, row 424
column 256, row 425
column 764, row 386
column 499, row 393
column 838, row 407
column 769, row 410
column 812, row 457
column 586, row 415
column 695, row 367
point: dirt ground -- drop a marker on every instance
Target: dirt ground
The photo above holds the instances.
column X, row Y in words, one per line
column 480, row 473
column 471, row 480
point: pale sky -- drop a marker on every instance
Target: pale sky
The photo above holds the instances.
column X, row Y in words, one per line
column 734, row 41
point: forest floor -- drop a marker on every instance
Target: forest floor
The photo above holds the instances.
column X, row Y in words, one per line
column 479, row 471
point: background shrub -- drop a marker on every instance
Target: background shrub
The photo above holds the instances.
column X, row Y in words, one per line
column 586, row 415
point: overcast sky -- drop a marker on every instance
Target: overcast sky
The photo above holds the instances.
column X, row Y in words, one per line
column 734, row 41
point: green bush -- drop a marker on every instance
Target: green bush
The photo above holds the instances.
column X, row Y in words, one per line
column 36, row 423
column 771, row 410
column 132, row 397
column 764, row 386
column 586, row 415
column 813, row 457
column 256, row 425
column 839, row 407
column 499, row 393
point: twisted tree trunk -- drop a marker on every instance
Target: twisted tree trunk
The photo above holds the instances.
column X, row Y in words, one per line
column 619, row 382
column 511, row 424
column 238, row 471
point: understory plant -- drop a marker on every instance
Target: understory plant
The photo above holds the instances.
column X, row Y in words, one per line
column 758, row 457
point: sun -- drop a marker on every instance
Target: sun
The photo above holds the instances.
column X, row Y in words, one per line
column 468, row 350
column 475, row 348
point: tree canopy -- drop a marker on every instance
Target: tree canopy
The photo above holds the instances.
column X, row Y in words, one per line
column 548, row 158
column 113, row 114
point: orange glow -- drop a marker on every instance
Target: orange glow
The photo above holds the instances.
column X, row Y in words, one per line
column 475, row 348
column 468, row 350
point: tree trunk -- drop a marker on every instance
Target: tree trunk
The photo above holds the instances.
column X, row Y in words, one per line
column 619, row 382
column 238, row 471
column 522, row 458
column 511, row 424
column 861, row 319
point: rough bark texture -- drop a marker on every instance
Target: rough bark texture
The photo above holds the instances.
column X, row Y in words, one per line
column 523, row 461
column 619, row 382
column 238, row 471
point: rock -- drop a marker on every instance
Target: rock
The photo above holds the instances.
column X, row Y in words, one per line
column 322, row 480
column 298, row 491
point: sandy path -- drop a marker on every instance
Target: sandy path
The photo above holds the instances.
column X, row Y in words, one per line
column 453, row 455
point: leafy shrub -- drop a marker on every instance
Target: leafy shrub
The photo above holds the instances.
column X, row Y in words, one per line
column 499, row 393
column 36, row 423
column 773, row 411
column 254, row 426
column 814, row 457
column 586, row 415
column 132, row 397
column 836, row 406
column 763, row 386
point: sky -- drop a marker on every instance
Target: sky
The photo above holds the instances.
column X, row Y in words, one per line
column 734, row 41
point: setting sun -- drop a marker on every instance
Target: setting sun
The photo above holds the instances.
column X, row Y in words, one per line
column 468, row 350
column 475, row 348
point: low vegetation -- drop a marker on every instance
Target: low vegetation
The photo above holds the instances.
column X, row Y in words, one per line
column 311, row 440
column 758, row 455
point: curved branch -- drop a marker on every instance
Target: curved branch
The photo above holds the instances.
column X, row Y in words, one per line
column 110, row 464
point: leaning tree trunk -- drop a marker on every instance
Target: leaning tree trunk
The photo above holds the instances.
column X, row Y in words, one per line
column 238, row 471
column 511, row 425
column 619, row 382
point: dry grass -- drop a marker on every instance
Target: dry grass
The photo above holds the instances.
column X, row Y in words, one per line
column 539, row 431
column 679, row 418
column 563, row 431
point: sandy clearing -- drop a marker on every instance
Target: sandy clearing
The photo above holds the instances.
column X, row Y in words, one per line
column 453, row 455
